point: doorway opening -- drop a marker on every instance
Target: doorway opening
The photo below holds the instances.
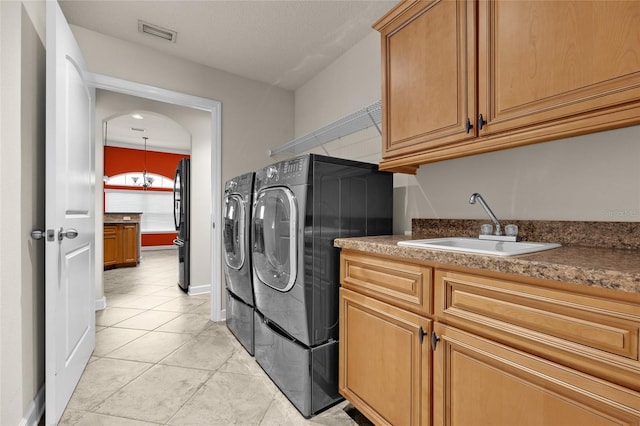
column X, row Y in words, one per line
column 206, row 155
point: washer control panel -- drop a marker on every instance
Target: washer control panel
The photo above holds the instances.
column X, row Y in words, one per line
column 289, row 172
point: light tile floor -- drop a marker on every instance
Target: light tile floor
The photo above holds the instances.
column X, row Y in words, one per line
column 159, row 360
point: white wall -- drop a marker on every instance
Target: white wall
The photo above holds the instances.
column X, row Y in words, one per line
column 22, row 129
column 348, row 84
column 255, row 116
column 588, row 178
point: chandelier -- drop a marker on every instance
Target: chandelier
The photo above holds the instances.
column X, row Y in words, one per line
column 147, row 180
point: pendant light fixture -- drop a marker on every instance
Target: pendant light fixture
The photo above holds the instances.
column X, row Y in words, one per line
column 146, row 180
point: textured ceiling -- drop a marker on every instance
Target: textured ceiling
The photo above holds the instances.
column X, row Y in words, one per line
column 283, row 43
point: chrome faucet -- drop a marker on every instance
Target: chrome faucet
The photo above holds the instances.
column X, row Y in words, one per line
column 477, row 197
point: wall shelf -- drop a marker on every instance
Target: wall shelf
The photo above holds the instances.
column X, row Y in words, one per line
column 359, row 120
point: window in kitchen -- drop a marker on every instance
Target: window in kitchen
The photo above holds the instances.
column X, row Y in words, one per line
column 156, row 207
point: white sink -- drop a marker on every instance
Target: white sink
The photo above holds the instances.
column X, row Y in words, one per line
column 474, row 245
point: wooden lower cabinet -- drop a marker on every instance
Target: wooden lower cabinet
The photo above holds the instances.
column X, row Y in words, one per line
column 130, row 243
column 480, row 382
column 111, row 246
column 509, row 351
column 120, row 245
column 385, row 360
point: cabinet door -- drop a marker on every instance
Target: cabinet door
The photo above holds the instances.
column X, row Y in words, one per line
column 110, row 245
column 130, row 243
column 384, row 362
column 479, row 382
column 558, row 68
column 428, row 75
column 400, row 283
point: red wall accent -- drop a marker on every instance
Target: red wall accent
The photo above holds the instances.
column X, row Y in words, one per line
column 158, row 239
column 122, row 160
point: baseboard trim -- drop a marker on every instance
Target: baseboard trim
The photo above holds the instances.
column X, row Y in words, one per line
column 199, row 289
column 35, row 411
column 101, row 303
column 152, row 248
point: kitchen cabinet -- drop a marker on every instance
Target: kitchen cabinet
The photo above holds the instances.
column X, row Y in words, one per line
column 120, row 244
column 504, row 349
column 385, row 359
column 527, row 72
column 111, row 246
column 480, row 382
column 429, row 75
column 588, row 332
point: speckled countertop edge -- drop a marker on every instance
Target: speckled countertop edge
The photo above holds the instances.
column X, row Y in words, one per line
column 615, row 269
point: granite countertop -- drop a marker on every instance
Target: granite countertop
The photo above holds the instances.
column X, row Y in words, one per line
column 112, row 221
column 612, row 268
column 119, row 217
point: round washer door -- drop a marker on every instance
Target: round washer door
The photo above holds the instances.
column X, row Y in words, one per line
column 233, row 234
column 274, row 238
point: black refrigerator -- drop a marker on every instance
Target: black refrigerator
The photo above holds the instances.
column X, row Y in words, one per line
column 181, row 219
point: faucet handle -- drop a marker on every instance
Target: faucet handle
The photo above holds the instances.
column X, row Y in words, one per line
column 511, row 230
column 486, row 229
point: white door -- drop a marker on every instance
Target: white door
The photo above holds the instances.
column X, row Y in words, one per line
column 69, row 259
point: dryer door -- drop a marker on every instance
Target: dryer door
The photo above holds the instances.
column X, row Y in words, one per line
column 233, row 234
column 274, row 238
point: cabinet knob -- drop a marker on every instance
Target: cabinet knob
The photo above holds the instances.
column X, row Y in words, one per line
column 481, row 122
column 421, row 334
column 434, row 340
column 468, row 126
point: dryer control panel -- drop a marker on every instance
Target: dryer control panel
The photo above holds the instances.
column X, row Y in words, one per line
column 288, row 172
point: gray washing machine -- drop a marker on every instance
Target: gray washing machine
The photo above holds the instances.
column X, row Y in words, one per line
column 238, row 196
column 300, row 206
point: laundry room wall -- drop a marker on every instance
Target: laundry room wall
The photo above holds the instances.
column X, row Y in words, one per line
column 22, row 185
column 255, row 116
column 593, row 177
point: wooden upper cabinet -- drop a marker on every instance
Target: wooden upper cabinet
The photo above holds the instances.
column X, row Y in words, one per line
column 428, row 73
column 563, row 66
column 527, row 72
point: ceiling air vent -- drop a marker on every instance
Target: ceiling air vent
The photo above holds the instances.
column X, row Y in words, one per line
column 154, row 30
column 137, row 129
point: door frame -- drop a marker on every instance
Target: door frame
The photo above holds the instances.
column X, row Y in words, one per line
column 113, row 84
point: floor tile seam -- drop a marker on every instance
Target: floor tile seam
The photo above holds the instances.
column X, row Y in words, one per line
column 273, row 401
column 115, row 323
column 97, row 405
column 166, row 310
column 147, row 333
column 159, row 362
column 200, row 386
column 186, row 367
column 105, row 415
column 124, row 344
column 153, row 306
column 145, row 329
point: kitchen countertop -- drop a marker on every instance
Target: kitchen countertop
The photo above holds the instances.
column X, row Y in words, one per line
column 611, row 268
column 119, row 217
